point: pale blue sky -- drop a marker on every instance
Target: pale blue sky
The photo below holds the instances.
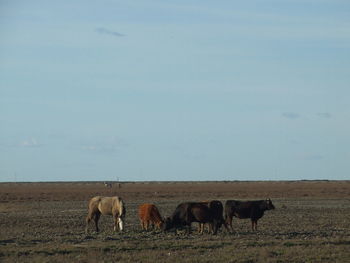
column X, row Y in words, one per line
column 174, row 90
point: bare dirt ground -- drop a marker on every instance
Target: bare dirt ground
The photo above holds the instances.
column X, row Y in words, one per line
column 44, row 222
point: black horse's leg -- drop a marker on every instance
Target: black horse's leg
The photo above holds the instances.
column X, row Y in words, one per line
column 228, row 221
column 215, row 227
column 189, row 228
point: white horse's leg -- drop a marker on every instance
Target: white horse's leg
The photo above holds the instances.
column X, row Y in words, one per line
column 121, row 224
column 116, row 228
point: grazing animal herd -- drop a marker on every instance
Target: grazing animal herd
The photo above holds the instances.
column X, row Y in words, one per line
column 206, row 212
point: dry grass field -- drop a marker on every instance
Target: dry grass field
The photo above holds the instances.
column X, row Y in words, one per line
column 44, row 222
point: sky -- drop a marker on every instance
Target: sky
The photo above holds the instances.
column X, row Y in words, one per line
column 174, row 90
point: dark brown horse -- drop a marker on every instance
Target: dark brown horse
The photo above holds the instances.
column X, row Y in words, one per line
column 187, row 213
column 106, row 206
column 217, row 208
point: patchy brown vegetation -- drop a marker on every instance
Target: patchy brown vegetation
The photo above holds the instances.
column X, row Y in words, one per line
column 44, row 222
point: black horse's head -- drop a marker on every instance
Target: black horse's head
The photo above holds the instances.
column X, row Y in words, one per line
column 168, row 224
column 269, row 204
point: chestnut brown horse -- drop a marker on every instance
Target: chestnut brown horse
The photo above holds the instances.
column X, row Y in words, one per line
column 106, row 206
column 149, row 216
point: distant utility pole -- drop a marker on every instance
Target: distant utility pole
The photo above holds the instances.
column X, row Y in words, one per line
column 118, row 183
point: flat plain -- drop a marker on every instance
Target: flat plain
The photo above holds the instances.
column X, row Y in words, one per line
column 44, row 222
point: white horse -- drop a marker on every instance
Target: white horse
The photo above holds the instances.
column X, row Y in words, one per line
column 106, row 206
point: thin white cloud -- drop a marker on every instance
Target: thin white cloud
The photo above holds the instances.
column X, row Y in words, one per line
column 325, row 115
column 30, row 143
column 102, row 30
column 314, row 157
column 99, row 148
column 105, row 145
column 26, row 143
column 88, row 148
column 291, row 115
